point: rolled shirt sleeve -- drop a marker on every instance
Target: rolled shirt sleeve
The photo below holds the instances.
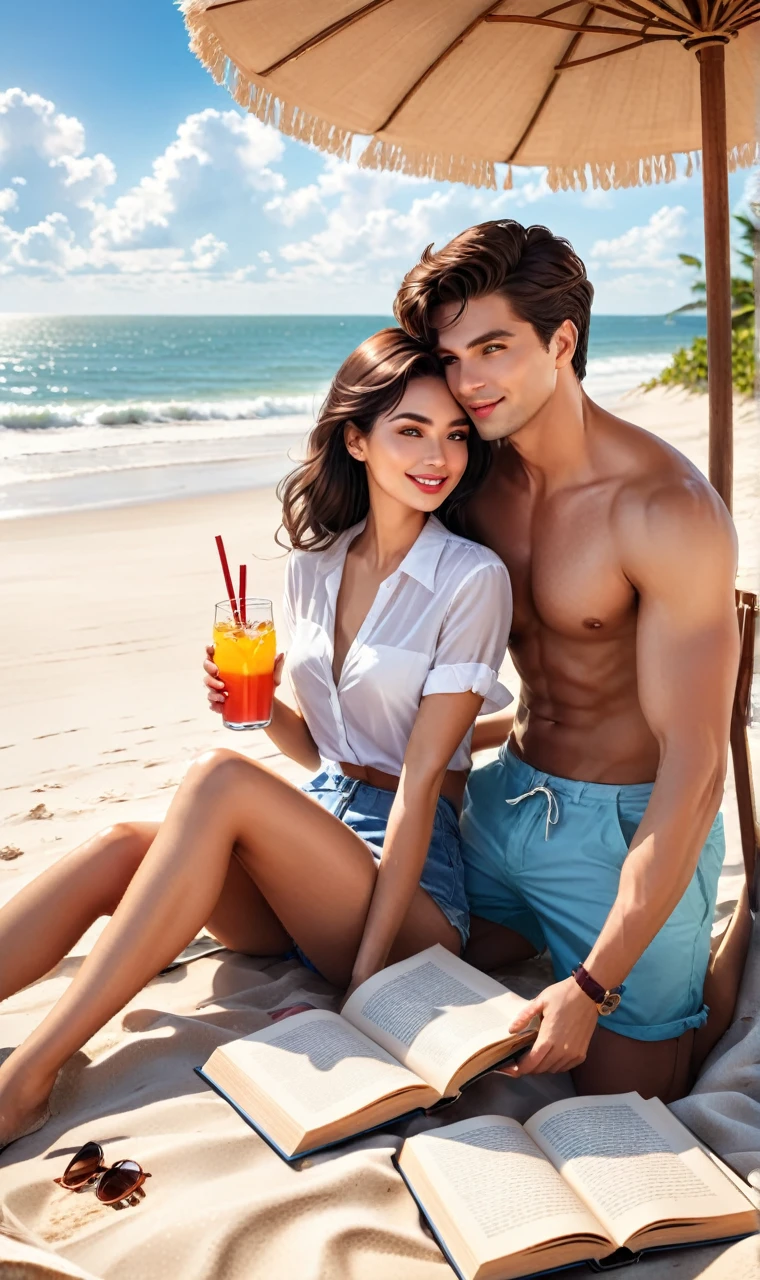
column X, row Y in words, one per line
column 473, row 638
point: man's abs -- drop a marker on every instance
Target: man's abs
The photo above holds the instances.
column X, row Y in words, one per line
column 579, row 715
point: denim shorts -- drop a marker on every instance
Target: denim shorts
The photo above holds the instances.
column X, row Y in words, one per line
column 543, row 856
column 366, row 809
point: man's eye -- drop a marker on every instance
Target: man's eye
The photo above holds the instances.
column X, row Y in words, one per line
column 493, row 346
column 447, row 360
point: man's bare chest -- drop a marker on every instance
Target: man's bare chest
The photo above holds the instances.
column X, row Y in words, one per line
column 564, row 565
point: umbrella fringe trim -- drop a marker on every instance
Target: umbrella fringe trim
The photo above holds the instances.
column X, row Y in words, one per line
column 395, row 157
column 641, row 172
column 259, row 101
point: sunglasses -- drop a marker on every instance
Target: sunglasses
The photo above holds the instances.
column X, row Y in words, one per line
column 119, row 1182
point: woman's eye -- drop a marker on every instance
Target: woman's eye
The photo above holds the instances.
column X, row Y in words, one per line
column 410, row 431
column 458, row 435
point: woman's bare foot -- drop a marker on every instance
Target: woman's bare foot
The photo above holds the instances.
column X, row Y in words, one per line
column 24, row 1100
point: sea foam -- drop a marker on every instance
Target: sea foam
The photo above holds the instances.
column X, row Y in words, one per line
column 27, row 417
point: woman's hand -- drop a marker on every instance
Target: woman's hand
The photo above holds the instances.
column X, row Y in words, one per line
column 216, row 691
column 217, row 694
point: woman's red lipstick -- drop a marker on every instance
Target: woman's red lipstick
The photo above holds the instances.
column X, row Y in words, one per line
column 428, row 484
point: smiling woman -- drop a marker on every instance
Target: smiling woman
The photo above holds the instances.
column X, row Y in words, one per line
column 330, row 492
column 399, row 627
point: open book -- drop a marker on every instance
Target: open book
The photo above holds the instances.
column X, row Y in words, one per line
column 408, row 1037
column 579, row 1180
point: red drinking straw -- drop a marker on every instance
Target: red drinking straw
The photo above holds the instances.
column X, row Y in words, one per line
column 227, row 577
column 241, row 593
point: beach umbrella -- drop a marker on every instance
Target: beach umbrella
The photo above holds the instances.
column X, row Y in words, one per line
column 603, row 94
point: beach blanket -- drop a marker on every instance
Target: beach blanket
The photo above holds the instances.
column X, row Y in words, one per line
column 220, row 1203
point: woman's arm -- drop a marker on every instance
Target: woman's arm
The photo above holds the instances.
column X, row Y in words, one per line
column 492, row 731
column 288, row 730
column 441, row 724
column 290, row 734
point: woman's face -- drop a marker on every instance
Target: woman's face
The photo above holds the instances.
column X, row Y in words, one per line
column 417, row 453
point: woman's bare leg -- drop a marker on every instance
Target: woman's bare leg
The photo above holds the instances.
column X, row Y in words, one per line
column 314, row 872
column 41, row 924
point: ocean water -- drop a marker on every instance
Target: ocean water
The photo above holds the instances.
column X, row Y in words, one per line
column 99, row 410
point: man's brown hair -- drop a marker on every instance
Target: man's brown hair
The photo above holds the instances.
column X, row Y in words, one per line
column 539, row 274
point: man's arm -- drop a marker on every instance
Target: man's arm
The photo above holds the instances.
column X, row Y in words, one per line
column 492, row 730
column 678, row 549
column 683, row 565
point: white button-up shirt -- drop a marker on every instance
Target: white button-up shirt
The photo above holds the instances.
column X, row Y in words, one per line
column 439, row 624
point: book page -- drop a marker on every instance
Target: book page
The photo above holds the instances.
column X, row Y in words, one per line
column 433, row 1012
column 493, row 1182
column 632, row 1162
column 318, row 1067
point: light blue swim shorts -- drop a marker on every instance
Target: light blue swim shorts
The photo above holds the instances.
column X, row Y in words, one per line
column 543, row 856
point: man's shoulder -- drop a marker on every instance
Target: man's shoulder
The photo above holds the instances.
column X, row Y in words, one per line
column 656, row 482
column 667, row 515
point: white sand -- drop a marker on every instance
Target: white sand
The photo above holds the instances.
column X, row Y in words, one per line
column 106, row 615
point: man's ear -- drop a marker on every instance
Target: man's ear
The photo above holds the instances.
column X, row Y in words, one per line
column 565, row 341
column 354, row 441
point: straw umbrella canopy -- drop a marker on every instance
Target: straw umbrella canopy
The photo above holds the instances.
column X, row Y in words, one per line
column 603, row 94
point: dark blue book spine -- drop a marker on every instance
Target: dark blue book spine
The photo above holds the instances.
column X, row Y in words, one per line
column 325, row 1146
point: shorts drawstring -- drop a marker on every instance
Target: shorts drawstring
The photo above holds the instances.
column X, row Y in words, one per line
column 552, row 811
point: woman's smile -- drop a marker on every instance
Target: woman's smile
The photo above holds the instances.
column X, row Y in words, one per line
column 428, row 484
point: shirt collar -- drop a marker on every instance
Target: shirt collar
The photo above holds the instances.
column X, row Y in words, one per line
column 420, row 561
column 334, row 556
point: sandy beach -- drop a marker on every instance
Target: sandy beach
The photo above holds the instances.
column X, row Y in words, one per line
column 102, row 709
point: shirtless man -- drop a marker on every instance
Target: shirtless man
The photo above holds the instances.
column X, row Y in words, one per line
column 597, row 832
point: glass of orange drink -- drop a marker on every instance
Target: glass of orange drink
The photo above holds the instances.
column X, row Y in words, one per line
column 245, row 648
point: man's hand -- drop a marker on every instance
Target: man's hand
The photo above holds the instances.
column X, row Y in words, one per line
column 568, row 1021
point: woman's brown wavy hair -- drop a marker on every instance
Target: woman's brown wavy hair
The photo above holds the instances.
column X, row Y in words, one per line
column 328, row 493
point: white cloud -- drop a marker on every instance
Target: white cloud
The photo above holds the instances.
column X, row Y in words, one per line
column 224, row 144
column 207, row 251
column 86, row 176
column 154, row 229
column 633, row 282
column 363, row 231
column 49, row 244
column 30, row 121
column 265, row 255
column 30, row 125
column 597, row 198
column 656, row 244
column 296, row 204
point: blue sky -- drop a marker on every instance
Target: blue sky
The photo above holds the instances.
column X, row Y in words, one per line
column 130, row 182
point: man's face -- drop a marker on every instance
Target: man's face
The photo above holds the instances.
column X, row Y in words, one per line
column 496, row 365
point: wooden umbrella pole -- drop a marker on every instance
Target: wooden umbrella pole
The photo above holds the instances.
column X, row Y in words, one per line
column 717, row 266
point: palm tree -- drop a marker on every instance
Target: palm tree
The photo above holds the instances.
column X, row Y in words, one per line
column 742, row 287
